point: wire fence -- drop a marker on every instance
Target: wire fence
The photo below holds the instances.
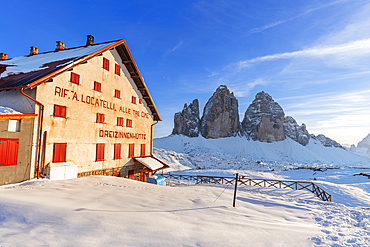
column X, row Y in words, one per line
column 243, row 180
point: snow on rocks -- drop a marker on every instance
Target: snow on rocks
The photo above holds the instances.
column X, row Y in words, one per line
column 296, row 132
column 187, row 122
column 363, row 147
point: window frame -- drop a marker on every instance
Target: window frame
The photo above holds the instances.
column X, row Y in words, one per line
column 117, row 69
column 133, row 100
column 106, row 63
column 100, row 152
column 100, row 118
column 61, row 156
column 75, row 78
column 129, row 123
column 131, row 150
column 117, row 93
column 120, row 121
column 97, row 86
column 9, row 151
column 60, row 111
column 117, row 151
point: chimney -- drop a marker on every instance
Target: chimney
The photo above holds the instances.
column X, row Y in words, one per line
column 90, row 40
column 34, row 50
column 60, row 46
column 3, row 56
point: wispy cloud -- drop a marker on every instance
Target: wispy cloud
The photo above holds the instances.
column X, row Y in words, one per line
column 357, row 48
column 173, row 49
column 274, row 24
column 243, row 89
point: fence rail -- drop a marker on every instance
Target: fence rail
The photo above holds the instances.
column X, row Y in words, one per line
column 242, row 180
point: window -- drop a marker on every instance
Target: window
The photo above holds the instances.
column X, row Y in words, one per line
column 131, row 150
column 140, row 101
column 142, row 150
column 59, row 152
column 117, row 94
column 129, row 123
column 13, row 125
column 105, row 63
column 131, row 173
column 75, row 78
column 100, row 151
column 117, row 151
column 60, row 111
column 120, row 121
column 117, row 70
column 97, row 86
column 133, row 100
column 100, row 118
column 9, row 152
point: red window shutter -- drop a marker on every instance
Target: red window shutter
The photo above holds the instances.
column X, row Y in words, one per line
column 129, row 123
column 117, row 151
column 75, row 78
column 97, row 86
column 59, row 152
column 140, row 101
column 117, row 70
column 117, row 94
column 142, row 150
column 119, row 121
column 133, row 100
column 105, row 63
column 131, row 150
column 9, row 152
column 100, row 118
column 100, row 148
column 60, row 111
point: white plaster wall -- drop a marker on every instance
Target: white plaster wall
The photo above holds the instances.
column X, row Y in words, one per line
column 80, row 130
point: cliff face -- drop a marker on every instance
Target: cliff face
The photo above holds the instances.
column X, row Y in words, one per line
column 264, row 119
column 187, row 121
column 296, row 132
column 221, row 115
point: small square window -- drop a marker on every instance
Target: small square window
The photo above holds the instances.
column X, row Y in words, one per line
column 60, row 111
column 13, row 125
column 117, row 70
column 120, row 121
column 133, row 100
column 129, row 123
column 100, row 150
column 97, row 86
column 105, row 63
column 100, row 118
column 117, row 151
column 75, row 78
column 117, row 94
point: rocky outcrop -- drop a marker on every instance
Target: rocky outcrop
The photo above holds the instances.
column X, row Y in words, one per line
column 363, row 147
column 187, row 122
column 296, row 132
column 220, row 115
column 264, row 119
column 326, row 141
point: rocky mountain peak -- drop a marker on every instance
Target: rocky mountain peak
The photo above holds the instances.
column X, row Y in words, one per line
column 220, row 115
column 187, row 121
column 264, row 119
column 296, row 132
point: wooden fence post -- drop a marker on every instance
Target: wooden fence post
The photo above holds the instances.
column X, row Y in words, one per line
column 236, row 186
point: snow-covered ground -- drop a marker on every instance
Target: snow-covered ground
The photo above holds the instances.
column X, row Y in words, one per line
column 110, row 211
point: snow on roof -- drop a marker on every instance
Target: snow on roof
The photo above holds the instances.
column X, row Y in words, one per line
column 6, row 110
column 152, row 163
column 41, row 61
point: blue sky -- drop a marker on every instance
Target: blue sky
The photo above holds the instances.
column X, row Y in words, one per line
column 312, row 57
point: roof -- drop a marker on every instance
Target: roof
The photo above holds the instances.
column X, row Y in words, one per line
column 33, row 70
column 152, row 163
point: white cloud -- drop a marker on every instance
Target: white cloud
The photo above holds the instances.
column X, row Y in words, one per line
column 173, row 49
column 243, row 89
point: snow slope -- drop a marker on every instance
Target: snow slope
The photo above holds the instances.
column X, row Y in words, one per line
column 283, row 151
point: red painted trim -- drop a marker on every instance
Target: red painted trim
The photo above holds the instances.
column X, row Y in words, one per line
column 17, row 116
